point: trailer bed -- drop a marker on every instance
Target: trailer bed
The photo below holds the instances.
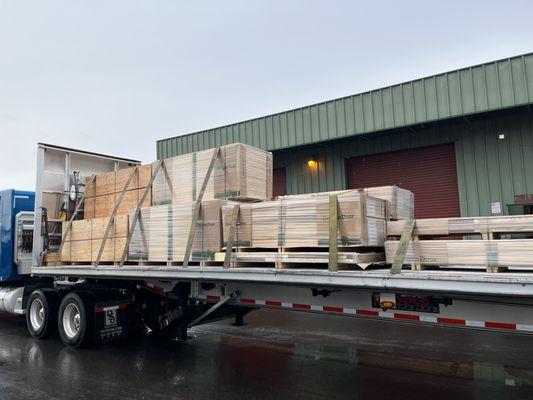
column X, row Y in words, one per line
column 464, row 282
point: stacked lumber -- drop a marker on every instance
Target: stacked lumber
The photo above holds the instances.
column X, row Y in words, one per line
column 84, row 239
column 485, row 226
column 400, row 201
column 491, row 252
column 162, row 232
column 304, row 222
column 102, row 195
column 483, row 253
column 240, row 172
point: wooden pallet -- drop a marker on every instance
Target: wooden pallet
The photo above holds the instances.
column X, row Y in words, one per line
column 301, row 258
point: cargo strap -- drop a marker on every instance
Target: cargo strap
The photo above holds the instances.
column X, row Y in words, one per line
column 113, row 214
column 138, row 212
column 76, row 210
column 401, row 251
column 231, row 235
column 333, row 233
column 197, row 208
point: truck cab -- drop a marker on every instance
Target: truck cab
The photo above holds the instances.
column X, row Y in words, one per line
column 16, row 234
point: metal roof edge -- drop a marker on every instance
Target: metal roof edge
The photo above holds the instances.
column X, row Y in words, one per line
column 345, row 97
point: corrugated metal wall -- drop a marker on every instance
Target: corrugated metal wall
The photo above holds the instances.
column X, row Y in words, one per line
column 491, row 86
column 488, row 168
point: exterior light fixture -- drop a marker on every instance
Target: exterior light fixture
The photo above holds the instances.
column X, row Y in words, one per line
column 312, row 162
column 501, row 136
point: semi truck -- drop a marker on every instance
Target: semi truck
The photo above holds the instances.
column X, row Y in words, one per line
column 96, row 303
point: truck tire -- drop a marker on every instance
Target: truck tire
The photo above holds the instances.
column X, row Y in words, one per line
column 41, row 314
column 75, row 320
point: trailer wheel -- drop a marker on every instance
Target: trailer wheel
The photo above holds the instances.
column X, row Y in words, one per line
column 75, row 320
column 41, row 314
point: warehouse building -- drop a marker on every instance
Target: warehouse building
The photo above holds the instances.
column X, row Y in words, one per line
column 462, row 141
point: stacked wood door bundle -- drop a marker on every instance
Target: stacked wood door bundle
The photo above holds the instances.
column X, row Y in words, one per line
column 484, row 253
column 400, row 201
column 490, row 252
column 240, row 172
column 304, row 222
column 104, row 192
column 84, row 239
column 162, row 231
column 485, row 226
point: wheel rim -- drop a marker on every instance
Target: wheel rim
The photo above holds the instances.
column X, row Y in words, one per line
column 36, row 314
column 71, row 320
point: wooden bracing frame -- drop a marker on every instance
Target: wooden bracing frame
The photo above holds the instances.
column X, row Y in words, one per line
column 333, row 265
column 197, row 208
column 231, row 235
column 113, row 215
column 401, row 251
column 159, row 164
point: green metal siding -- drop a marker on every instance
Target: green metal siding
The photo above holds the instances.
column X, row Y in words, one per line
column 488, row 169
column 486, row 87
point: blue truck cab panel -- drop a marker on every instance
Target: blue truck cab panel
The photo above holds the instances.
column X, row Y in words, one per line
column 11, row 203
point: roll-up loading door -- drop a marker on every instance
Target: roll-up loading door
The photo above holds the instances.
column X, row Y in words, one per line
column 429, row 172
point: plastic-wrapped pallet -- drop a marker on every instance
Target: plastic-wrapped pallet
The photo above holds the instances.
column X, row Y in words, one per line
column 485, row 253
column 240, row 172
column 103, row 194
column 161, row 232
column 84, row 239
column 401, row 201
column 304, row 222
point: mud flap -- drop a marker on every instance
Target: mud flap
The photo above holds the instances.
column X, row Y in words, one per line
column 111, row 320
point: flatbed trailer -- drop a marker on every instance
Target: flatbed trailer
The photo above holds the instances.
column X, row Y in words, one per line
column 97, row 303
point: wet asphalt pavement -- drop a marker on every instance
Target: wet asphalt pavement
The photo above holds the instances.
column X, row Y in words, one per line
column 278, row 355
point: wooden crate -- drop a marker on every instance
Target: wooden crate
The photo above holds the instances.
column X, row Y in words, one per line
column 400, row 201
column 240, row 172
column 103, row 194
column 304, row 222
column 83, row 242
column 162, row 232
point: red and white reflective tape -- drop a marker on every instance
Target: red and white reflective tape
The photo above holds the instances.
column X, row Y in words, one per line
column 118, row 306
column 157, row 288
column 382, row 314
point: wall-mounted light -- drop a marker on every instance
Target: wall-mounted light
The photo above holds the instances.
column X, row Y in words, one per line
column 312, row 162
column 501, row 136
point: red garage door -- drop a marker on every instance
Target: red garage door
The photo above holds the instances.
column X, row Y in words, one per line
column 429, row 172
column 280, row 182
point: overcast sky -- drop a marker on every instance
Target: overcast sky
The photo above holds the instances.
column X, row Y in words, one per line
column 114, row 76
